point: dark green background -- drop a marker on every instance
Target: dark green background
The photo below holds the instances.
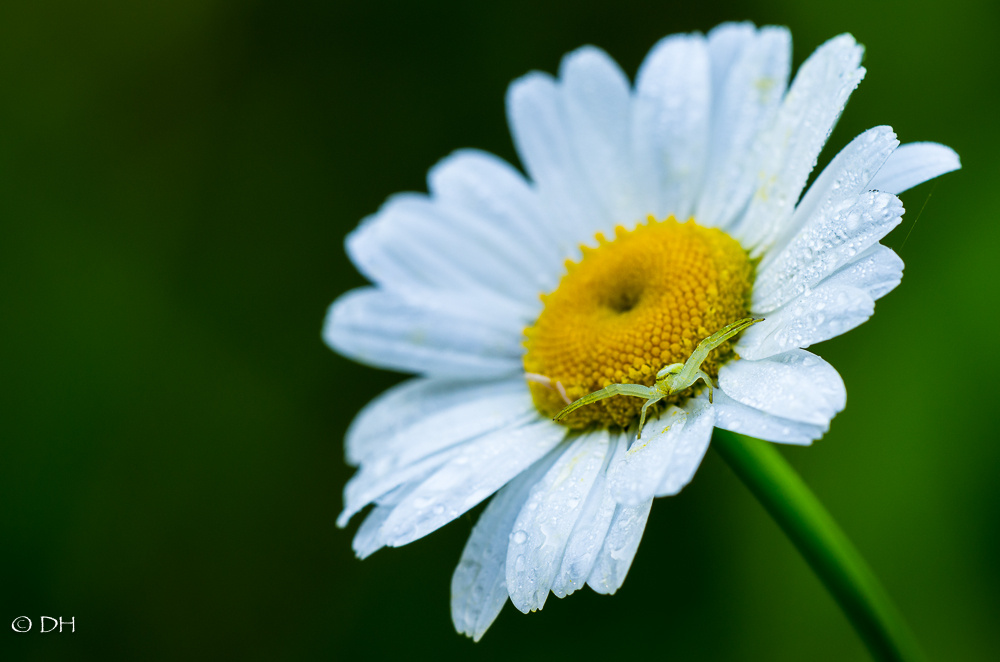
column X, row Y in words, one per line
column 176, row 179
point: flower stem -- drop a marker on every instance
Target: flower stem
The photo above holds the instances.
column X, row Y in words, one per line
column 825, row 547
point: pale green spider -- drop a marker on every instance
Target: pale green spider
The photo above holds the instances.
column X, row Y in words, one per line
column 672, row 379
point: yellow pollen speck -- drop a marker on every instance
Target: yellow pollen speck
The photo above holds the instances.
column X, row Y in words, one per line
column 631, row 306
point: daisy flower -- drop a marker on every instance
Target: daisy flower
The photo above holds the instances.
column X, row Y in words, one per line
column 652, row 215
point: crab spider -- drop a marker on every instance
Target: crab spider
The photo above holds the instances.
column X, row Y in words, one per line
column 672, row 379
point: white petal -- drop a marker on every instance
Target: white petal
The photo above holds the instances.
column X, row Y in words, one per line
column 546, row 520
column 429, row 332
column 915, row 163
column 726, row 44
column 486, row 185
column 877, row 271
column 823, row 313
column 750, row 74
column 394, row 496
column 418, row 449
column 672, row 112
column 364, row 488
column 483, row 410
column 692, row 442
column 367, row 540
column 738, row 417
column 824, row 245
column 843, row 301
column 479, row 585
column 367, row 486
column 796, row 385
column 619, row 548
column 414, row 241
column 479, row 469
column 847, row 175
column 599, row 111
column 407, row 404
column 636, row 477
column 803, row 124
column 591, row 528
column 540, row 127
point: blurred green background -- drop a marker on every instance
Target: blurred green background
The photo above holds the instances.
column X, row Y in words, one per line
column 176, row 179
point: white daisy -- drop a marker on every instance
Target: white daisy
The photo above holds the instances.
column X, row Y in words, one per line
column 708, row 132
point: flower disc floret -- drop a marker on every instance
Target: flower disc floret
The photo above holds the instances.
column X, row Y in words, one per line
column 630, row 306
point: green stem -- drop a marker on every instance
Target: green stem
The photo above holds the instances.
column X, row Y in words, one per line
column 825, row 547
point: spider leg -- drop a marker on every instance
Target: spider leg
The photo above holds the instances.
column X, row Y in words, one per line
column 689, row 374
column 636, row 390
column 703, row 376
column 671, row 369
column 642, row 416
column 722, row 335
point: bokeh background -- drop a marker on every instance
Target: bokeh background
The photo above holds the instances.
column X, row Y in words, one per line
column 176, row 179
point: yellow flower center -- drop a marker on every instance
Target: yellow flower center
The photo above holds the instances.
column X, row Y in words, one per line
column 629, row 307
